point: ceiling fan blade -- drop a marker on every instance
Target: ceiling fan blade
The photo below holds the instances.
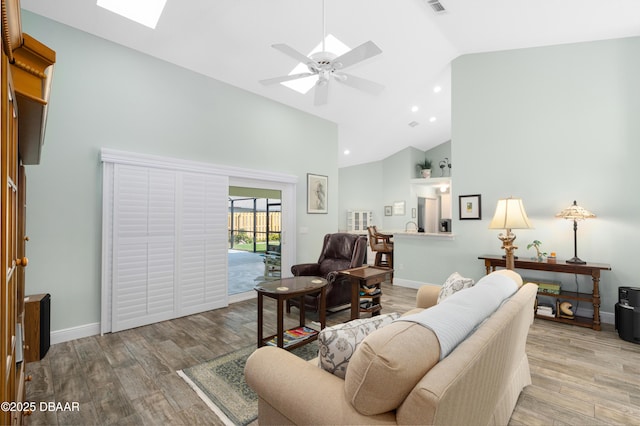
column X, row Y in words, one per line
column 285, row 78
column 321, row 92
column 293, row 53
column 359, row 83
column 357, row 54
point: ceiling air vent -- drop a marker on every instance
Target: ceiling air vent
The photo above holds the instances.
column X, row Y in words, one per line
column 413, row 124
column 436, row 6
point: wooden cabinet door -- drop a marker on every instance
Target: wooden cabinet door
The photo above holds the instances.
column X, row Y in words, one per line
column 10, row 370
column 8, row 191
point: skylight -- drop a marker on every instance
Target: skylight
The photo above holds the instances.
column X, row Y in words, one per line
column 303, row 85
column 145, row 12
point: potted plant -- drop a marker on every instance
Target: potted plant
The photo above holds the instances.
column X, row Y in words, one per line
column 539, row 255
column 425, row 168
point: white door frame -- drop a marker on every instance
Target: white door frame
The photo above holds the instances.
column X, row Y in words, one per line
column 287, row 189
column 237, row 176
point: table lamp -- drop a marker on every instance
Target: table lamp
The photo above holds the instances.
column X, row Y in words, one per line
column 509, row 215
column 575, row 212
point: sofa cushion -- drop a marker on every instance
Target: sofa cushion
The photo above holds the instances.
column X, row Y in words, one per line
column 459, row 314
column 338, row 343
column 508, row 273
column 388, row 364
column 454, row 283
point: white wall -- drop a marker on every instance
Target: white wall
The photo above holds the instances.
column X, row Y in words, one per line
column 105, row 95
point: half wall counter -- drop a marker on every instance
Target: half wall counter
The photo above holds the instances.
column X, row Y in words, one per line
column 421, row 257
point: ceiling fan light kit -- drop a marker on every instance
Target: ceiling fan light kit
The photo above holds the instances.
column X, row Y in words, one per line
column 325, row 65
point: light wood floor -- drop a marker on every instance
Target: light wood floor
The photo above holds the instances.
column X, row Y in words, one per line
column 580, row 376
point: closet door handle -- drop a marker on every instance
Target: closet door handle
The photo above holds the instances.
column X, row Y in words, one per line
column 22, row 262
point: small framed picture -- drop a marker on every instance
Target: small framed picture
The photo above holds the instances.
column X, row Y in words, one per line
column 317, row 187
column 398, row 208
column 470, row 207
column 388, row 210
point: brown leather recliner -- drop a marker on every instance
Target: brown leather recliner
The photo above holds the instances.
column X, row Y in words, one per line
column 339, row 251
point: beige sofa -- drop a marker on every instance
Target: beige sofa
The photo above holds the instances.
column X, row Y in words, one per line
column 394, row 376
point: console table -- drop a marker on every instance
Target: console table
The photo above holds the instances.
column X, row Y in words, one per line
column 491, row 262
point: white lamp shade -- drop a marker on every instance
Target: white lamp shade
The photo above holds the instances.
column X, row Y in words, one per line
column 575, row 212
column 510, row 214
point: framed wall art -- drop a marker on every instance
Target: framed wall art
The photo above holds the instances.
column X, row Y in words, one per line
column 317, row 191
column 388, row 210
column 398, row 208
column 470, row 207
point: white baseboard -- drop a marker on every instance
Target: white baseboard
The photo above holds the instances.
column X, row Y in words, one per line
column 607, row 317
column 61, row 336
column 401, row 282
column 239, row 297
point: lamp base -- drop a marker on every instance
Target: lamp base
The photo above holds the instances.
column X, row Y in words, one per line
column 576, row 261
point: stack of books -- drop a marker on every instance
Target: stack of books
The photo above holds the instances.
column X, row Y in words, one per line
column 545, row 310
column 548, row 287
column 293, row 335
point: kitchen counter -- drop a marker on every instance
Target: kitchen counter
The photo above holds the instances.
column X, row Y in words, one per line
column 414, row 234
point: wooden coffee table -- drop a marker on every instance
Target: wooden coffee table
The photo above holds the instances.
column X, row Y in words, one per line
column 289, row 288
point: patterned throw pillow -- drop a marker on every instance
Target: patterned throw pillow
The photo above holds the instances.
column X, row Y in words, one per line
column 339, row 342
column 455, row 282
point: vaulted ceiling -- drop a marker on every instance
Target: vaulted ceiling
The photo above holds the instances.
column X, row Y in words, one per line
column 230, row 40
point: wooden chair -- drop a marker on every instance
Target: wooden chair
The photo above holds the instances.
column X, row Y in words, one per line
column 381, row 244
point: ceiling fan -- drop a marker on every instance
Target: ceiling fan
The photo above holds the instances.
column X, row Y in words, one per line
column 326, row 65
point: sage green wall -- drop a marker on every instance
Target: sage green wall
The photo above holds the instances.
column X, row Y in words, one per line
column 360, row 190
column 372, row 186
column 552, row 125
column 438, row 154
column 397, row 169
column 548, row 125
column 105, row 95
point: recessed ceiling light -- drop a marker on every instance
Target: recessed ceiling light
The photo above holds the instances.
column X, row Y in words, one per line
column 347, row 152
column 414, row 108
column 303, row 85
column 437, row 89
column 432, row 119
column 145, row 12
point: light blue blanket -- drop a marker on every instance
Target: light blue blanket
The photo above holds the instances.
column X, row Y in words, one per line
column 453, row 319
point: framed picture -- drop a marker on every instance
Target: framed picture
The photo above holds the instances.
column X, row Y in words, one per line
column 388, row 210
column 317, row 187
column 470, row 208
column 398, row 208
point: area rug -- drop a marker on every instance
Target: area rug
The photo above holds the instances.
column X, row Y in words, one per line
column 220, row 383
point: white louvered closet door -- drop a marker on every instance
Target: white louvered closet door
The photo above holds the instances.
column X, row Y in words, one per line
column 169, row 245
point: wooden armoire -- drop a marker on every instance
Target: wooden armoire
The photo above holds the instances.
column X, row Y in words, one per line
column 26, row 71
